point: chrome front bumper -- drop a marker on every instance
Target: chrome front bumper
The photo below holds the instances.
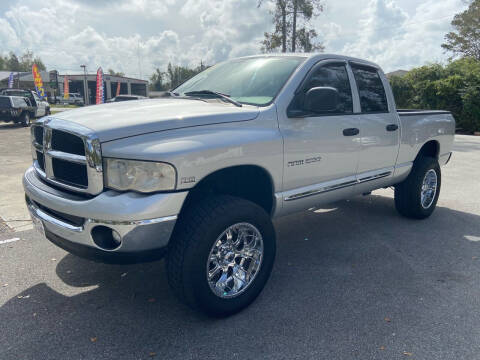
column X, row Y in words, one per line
column 144, row 222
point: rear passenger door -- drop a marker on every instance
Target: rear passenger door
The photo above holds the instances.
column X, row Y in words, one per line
column 379, row 129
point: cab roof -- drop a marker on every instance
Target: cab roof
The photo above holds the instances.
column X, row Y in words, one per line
column 315, row 57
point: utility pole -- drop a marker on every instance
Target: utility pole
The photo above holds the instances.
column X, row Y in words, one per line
column 85, row 84
column 294, row 26
column 57, row 87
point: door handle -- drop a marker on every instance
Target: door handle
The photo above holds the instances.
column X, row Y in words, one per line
column 351, row 132
column 392, row 127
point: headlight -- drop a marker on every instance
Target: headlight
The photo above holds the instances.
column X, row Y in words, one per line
column 142, row 176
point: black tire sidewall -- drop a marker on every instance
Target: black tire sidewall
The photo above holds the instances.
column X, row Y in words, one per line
column 26, row 120
column 196, row 255
column 414, row 184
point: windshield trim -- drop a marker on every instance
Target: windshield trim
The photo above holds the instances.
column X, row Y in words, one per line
column 301, row 59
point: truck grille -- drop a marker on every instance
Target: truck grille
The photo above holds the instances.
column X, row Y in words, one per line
column 70, row 172
column 67, row 155
column 68, row 143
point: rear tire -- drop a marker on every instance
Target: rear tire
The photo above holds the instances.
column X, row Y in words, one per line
column 416, row 197
column 199, row 249
column 26, row 120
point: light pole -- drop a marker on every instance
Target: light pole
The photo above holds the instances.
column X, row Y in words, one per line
column 85, row 84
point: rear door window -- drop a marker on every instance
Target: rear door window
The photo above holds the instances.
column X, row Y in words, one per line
column 370, row 89
column 19, row 102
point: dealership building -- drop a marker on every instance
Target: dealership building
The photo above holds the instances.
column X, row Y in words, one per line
column 53, row 83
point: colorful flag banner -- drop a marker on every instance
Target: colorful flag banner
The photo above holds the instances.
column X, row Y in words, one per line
column 100, row 90
column 10, row 81
column 37, row 79
column 118, row 89
column 66, row 88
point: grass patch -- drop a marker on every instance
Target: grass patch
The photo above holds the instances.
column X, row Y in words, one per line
column 69, row 106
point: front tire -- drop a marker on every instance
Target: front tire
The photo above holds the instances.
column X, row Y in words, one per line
column 417, row 196
column 26, row 120
column 221, row 255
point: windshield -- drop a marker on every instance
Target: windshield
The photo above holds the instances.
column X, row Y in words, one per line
column 252, row 80
column 19, row 93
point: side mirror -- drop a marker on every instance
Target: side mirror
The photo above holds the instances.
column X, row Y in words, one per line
column 321, row 100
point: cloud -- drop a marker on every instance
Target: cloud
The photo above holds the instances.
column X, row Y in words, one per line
column 392, row 38
column 8, row 36
column 137, row 36
column 66, row 34
column 148, row 8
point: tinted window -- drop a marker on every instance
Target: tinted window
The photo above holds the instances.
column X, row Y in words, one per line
column 370, row 88
column 4, row 101
column 331, row 75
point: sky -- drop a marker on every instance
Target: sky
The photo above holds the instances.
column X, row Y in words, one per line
column 137, row 36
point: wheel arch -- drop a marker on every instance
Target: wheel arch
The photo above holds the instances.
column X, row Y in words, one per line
column 250, row 182
column 431, row 149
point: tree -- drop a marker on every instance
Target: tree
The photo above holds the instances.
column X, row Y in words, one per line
column 12, row 62
column 174, row 76
column 27, row 60
column 454, row 87
column 157, row 81
column 115, row 73
column 287, row 33
column 465, row 39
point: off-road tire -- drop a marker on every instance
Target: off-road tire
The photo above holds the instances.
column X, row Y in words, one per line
column 197, row 228
column 408, row 193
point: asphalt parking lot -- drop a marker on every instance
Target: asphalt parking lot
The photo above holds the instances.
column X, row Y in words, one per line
column 352, row 281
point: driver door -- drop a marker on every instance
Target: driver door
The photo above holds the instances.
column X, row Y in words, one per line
column 321, row 150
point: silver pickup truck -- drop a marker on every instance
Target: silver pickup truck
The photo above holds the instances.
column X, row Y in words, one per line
column 198, row 176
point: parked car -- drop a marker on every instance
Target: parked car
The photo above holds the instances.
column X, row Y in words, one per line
column 41, row 107
column 15, row 109
column 73, row 99
column 200, row 175
column 125, row 98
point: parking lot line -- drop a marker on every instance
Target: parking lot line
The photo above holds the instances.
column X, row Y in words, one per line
column 8, row 241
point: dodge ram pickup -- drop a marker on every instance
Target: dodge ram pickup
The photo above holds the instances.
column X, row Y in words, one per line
column 199, row 175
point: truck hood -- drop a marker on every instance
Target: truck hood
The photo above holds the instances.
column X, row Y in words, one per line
column 129, row 118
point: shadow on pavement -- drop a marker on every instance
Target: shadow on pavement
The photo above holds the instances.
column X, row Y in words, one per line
column 348, row 280
column 9, row 126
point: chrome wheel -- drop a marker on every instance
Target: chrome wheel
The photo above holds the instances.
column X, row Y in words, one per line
column 429, row 188
column 234, row 260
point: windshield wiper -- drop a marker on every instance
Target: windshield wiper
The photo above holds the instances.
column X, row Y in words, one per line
column 214, row 93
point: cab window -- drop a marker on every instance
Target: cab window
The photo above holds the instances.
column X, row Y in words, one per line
column 370, row 89
column 330, row 75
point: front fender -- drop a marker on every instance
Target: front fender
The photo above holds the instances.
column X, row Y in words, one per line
column 199, row 151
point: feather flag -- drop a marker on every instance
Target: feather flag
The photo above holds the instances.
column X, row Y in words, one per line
column 66, row 87
column 37, row 79
column 10, row 81
column 100, row 90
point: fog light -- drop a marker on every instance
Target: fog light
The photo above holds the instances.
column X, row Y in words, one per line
column 106, row 238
